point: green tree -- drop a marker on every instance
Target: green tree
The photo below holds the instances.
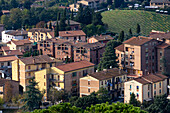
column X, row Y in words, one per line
column 27, row 4
column 1, row 103
column 90, row 30
column 138, row 29
column 133, row 101
column 121, row 36
column 160, row 105
column 72, row 15
column 86, row 101
column 103, row 95
column 56, row 29
column 13, row 4
column 26, row 16
column 109, row 2
column 79, row 16
column 50, row 25
column 100, row 29
column 130, row 32
column 15, row 18
column 109, row 56
column 62, row 25
column 97, row 19
column 32, row 97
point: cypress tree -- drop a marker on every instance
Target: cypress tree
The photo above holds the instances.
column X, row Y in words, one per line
column 138, row 29
column 72, row 15
column 32, row 96
column 121, row 36
column 130, row 32
column 109, row 56
column 50, row 25
column 56, row 30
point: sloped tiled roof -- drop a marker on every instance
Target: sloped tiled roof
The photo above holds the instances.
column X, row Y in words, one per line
column 14, row 52
column 109, row 73
column 160, row 35
column 120, row 48
column 163, row 45
column 17, row 32
column 37, row 59
column 103, row 37
column 138, row 41
column 71, row 33
column 43, row 30
column 141, row 80
column 7, row 58
column 21, row 42
column 75, row 66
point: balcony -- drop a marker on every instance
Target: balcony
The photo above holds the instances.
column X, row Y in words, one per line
column 56, row 80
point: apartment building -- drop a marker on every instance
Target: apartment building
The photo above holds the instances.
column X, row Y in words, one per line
column 146, row 87
column 24, row 68
column 89, row 51
column 64, row 76
column 4, row 87
column 6, row 66
column 73, row 24
column 111, row 79
column 39, row 34
column 66, row 50
column 138, row 55
column 73, row 35
column 23, row 45
column 102, row 39
column 163, row 58
column 160, row 3
column 9, row 35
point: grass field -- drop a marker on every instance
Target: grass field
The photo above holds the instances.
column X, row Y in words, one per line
column 119, row 20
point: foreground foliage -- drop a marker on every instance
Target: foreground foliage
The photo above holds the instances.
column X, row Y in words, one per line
column 98, row 108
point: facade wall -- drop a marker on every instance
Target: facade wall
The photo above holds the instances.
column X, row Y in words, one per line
column 72, row 81
column 128, row 91
column 39, row 36
column 47, row 48
column 6, row 37
column 25, row 47
column 88, row 85
column 75, row 38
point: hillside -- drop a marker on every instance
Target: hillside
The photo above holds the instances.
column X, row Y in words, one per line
column 118, row 20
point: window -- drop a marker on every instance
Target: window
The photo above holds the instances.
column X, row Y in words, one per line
column 75, row 38
column 137, row 87
column 130, row 93
column 148, row 94
column 8, row 63
column 44, row 83
column 160, row 91
column 137, row 95
column 154, row 93
column 126, row 48
column 88, row 89
column 50, row 64
column 160, row 53
column 130, row 87
column 148, row 87
column 160, row 85
column 29, row 74
column 44, row 76
column 154, row 86
column 29, row 67
column 74, row 74
column 101, row 82
column 2, row 64
column 88, row 82
column 146, row 50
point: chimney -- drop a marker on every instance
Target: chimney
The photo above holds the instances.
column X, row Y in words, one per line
column 105, row 70
column 33, row 60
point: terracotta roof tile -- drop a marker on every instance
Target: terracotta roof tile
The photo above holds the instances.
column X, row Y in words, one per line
column 142, row 81
column 17, row 32
column 103, row 37
column 7, row 58
column 154, row 77
column 109, row 73
column 37, row 59
column 120, row 48
column 160, row 36
column 163, row 45
column 43, row 30
column 138, row 41
column 14, row 52
column 5, row 48
column 21, row 42
column 75, row 66
column 71, row 33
